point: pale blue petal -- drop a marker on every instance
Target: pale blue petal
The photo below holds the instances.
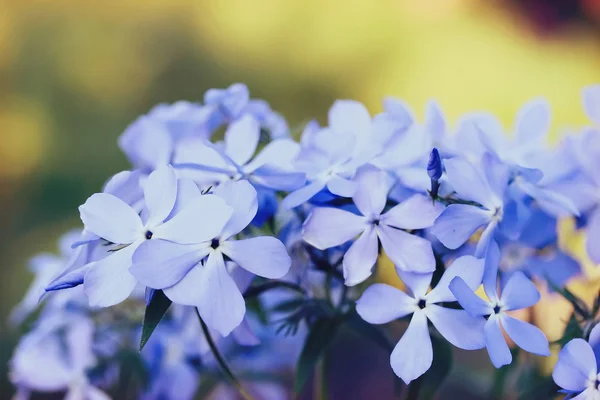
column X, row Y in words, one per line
column 280, row 153
column 126, row 186
column 519, row 293
column 241, row 139
column 416, row 212
column 457, row 327
column 159, row 264
column 401, row 112
column 264, row 256
column 496, row 345
column 469, row 183
column 341, row 186
column 468, row 300
column 435, row 122
column 487, row 237
column 381, row 303
column 203, row 219
column 302, row 195
column 187, row 291
column 533, row 123
column 592, row 244
column 490, row 272
column 416, row 283
column 147, row 143
column 242, row 198
column 108, row 281
column 468, row 268
column 371, row 194
column 195, row 160
column 327, row 227
column 408, row 252
column 110, row 218
column 552, row 202
column 413, row 354
column 221, row 304
column 350, row 117
column 576, row 363
column 68, row 280
column 160, row 192
column 187, row 191
column 457, row 223
column 528, row 337
column 591, row 103
column 594, row 341
column 272, row 177
column 360, row 258
column 496, row 172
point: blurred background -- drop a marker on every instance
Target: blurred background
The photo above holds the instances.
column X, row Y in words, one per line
column 74, row 73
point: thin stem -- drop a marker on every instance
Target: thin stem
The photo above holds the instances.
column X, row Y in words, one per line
column 221, row 361
column 259, row 289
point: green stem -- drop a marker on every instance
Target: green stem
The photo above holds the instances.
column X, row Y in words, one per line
column 221, row 361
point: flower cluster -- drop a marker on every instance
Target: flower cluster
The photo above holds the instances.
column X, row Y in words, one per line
column 222, row 207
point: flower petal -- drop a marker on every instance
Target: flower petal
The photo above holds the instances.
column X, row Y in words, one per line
column 264, row 256
column 490, row 273
column 592, row 235
column 241, row 139
column 273, row 177
column 302, row 195
column 416, row 212
column 408, row 252
column 591, row 103
column 160, row 192
column 417, row 283
column 457, row 327
column 533, row 123
column 528, row 337
column 279, row 153
column 576, row 363
column 159, row 263
column 382, row 303
column 468, row 183
column 341, row 186
column 327, row 227
column 413, row 354
column 110, row 218
column 242, row 198
column 468, row 268
column 360, row 258
column 519, row 293
column 494, row 342
column 467, row 298
column 371, row 194
column 457, row 223
column 187, row 291
column 108, row 281
column 221, row 304
column 201, row 220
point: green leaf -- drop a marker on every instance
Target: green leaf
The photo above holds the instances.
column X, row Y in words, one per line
column 320, row 336
column 440, row 369
column 155, row 310
column 579, row 305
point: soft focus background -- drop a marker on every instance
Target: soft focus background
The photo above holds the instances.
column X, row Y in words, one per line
column 74, row 73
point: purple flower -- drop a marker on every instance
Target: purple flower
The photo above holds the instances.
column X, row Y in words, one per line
column 330, row 227
column 576, row 370
column 518, row 293
column 413, row 354
column 175, row 264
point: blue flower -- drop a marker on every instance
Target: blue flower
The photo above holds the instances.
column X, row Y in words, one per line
column 204, row 231
column 458, row 222
column 413, row 354
column 576, row 370
column 518, row 293
column 331, row 156
column 209, row 164
column 329, row 227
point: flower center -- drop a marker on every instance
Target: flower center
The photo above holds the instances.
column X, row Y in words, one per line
column 215, row 243
column 148, row 235
column 421, row 304
column 497, row 309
